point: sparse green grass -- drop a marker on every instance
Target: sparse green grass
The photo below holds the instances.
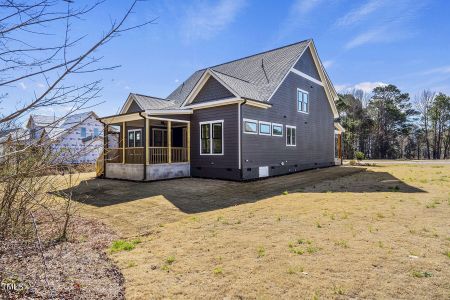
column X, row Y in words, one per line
column 261, row 252
column 218, row 271
column 342, row 243
column 170, row 260
column 121, row 245
column 295, row 270
column 447, row 253
column 312, row 249
column 285, row 193
column 421, row 274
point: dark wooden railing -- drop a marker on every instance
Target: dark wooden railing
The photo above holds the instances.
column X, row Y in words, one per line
column 156, row 155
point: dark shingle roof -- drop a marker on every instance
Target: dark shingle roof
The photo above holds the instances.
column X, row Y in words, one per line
column 254, row 77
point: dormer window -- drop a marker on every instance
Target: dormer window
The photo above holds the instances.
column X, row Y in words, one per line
column 302, row 101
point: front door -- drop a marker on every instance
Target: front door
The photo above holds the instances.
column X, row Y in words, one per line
column 159, row 137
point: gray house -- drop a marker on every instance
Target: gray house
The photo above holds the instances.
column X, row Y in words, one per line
column 267, row 114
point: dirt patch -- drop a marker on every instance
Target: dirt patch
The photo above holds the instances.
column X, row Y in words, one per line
column 77, row 269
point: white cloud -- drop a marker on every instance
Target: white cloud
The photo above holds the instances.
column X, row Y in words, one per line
column 40, row 85
column 365, row 86
column 177, row 80
column 358, row 14
column 438, row 70
column 204, row 20
column 22, row 85
column 328, row 63
column 126, row 87
column 304, row 6
column 370, row 36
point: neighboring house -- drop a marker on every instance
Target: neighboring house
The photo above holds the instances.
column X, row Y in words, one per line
column 12, row 139
column 268, row 114
column 75, row 139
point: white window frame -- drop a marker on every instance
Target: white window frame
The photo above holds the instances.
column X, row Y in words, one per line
column 134, row 140
column 282, row 130
column 300, row 109
column 264, row 123
column 210, row 137
column 251, row 121
column 294, row 127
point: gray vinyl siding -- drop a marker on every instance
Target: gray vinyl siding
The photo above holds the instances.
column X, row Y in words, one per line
column 212, row 90
column 224, row 166
column 314, row 131
column 134, row 107
column 306, row 65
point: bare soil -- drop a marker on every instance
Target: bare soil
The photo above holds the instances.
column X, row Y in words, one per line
column 76, row 269
column 371, row 232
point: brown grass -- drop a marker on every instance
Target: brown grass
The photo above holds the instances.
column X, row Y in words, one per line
column 375, row 232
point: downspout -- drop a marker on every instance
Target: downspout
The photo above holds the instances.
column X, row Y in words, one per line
column 240, row 136
column 105, row 143
column 145, row 149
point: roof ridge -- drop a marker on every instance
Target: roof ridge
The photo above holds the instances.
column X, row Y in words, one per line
column 159, row 98
column 263, row 52
column 216, row 71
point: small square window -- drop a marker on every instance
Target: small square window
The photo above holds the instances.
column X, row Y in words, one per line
column 250, row 126
column 265, row 128
column 277, row 129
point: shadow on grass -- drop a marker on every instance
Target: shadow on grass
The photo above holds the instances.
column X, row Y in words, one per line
column 193, row 195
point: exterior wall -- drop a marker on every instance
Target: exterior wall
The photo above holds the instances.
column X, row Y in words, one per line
column 212, row 90
column 167, row 171
column 224, row 166
column 314, row 132
column 72, row 147
column 306, row 65
column 124, row 171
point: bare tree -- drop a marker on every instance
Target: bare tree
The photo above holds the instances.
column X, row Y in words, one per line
column 423, row 104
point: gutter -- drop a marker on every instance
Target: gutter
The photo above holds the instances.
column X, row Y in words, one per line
column 145, row 148
column 240, row 136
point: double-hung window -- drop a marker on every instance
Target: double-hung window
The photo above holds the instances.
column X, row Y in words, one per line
column 134, row 138
column 290, row 135
column 265, row 128
column 211, row 138
column 250, row 126
column 277, row 129
column 302, row 101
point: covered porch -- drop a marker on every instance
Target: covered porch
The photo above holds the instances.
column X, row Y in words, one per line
column 140, row 146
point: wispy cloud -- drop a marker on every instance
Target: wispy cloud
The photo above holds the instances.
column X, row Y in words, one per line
column 383, row 21
column 204, row 20
column 438, row 70
column 328, row 63
column 297, row 16
column 360, row 13
column 366, row 86
column 22, row 85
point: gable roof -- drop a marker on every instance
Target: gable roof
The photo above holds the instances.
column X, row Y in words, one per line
column 254, row 77
column 42, row 120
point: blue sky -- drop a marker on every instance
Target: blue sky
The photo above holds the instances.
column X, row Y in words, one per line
column 361, row 43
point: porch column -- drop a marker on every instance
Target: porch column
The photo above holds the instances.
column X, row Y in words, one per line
column 188, row 141
column 105, row 147
column 169, row 141
column 147, row 141
column 123, row 141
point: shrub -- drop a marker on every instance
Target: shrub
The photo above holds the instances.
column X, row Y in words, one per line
column 359, row 155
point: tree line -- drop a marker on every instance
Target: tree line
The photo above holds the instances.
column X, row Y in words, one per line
column 388, row 124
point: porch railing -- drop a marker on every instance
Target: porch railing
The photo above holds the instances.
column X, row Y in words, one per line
column 156, row 155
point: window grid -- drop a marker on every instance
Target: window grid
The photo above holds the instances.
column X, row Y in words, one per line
column 302, row 101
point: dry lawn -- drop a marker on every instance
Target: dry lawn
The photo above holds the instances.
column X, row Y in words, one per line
column 343, row 232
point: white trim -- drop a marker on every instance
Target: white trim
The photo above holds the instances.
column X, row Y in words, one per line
column 209, row 104
column 257, row 104
column 264, row 123
column 339, row 127
column 298, row 108
column 121, row 118
column 169, row 112
column 210, row 137
column 127, row 103
column 306, row 76
column 198, row 87
column 167, row 119
column 282, row 129
column 287, row 73
column 290, row 126
column 251, row 121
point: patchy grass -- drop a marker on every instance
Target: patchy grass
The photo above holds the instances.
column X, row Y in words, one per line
column 121, row 245
column 369, row 231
